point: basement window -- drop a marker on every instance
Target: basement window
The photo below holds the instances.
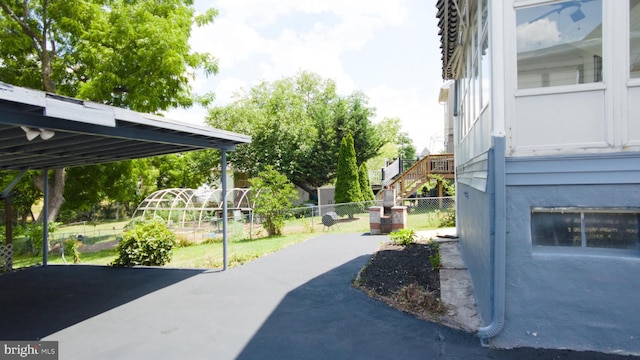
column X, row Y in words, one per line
column 586, row 228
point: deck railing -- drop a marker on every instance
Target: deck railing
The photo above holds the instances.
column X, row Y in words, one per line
column 421, row 172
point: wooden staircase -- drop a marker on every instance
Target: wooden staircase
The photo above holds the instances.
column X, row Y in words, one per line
column 422, row 172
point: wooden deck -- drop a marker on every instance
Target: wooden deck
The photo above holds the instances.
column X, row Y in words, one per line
column 423, row 171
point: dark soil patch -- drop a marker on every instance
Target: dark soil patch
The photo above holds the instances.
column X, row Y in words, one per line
column 402, row 276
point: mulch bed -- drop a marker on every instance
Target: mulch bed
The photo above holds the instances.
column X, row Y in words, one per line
column 402, row 276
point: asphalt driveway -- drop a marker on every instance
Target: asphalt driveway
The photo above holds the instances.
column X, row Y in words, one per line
column 295, row 304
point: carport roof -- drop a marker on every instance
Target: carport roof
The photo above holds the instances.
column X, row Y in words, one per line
column 86, row 133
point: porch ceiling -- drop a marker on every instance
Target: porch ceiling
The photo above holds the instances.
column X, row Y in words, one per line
column 85, row 133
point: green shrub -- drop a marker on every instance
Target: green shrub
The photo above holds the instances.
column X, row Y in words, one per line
column 435, row 259
column 184, row 241
column 71, row 249
column 67, row 216
column 274, row 195
column 448, row 218
column 147, row 243
column 34, row 231
column 403, row 237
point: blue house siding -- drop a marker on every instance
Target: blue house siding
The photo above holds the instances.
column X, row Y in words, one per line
column 474, row 227
column 564, row 297
column 616, row 168
column 474, row 204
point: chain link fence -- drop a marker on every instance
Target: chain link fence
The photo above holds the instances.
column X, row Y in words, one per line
column 422, row 214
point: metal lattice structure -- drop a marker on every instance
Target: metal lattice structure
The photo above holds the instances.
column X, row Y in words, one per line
column 186, row 207
column 6, row 257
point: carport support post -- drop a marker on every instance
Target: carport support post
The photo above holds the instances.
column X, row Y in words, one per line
column 223, row 164
column 45, row 217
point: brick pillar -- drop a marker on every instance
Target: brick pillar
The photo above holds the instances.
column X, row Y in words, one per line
column 375, row 213
column 386, row 225
column 398, row 218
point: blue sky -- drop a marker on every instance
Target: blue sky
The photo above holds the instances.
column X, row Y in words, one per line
column 388, row 49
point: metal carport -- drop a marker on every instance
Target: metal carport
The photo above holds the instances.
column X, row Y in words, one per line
column 44, row 131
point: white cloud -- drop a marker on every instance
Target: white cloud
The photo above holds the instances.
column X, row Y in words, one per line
column 421, row 115
column 236, row 34
column 261, row 13
column 257, row 40
column 196, row 115
column 229, row 41
column 536, row 35
column 227, row 88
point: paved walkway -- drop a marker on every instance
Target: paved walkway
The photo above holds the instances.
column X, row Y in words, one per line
column 295, row 304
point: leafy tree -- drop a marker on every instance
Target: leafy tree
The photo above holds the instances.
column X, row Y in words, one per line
column 25, row 195
column 115, row 182
column 129, row 53
column 129, row 182
column 347, row 184
column 396, row 144
column 273, row 194
column 367, row 141
column 296, row 125
column 365, row 184
column 185, row 170
column 406, row 149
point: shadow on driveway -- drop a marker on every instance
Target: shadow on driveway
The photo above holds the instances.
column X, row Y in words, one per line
column 39, row 301
column 326, row 318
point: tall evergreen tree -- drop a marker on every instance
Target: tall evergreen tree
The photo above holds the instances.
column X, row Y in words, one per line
column 347, row 184
column 365, row 184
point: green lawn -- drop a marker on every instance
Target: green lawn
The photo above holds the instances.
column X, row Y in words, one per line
column 239, row 251
column 91, row 231
column 210, row 254
column 103, row 257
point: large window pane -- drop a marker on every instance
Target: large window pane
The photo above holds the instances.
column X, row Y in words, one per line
column 554, row 229
column 485, row 68
column 618, row 231
column 592, row 228
column 559, row 44
column 634, row 36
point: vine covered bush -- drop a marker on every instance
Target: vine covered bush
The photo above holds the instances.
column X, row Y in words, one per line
column 148, row 243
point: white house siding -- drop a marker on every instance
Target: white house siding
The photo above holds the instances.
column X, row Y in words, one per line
column 477, row 141
column 560, row 123
column 631, row 131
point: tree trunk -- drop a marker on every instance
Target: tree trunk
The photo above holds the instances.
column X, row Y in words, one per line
column 56, row 193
